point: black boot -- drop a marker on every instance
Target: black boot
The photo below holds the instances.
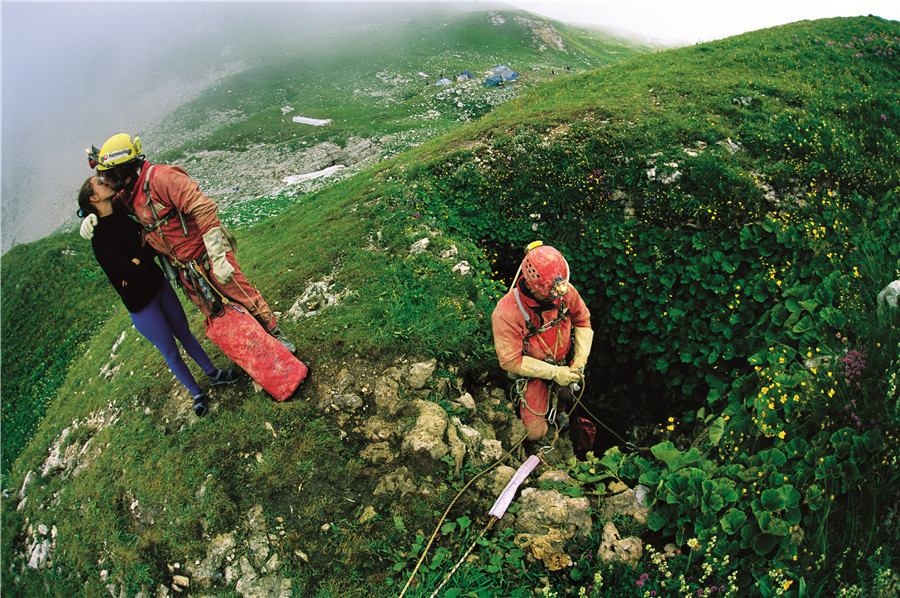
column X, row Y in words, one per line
column 200, row 404
column 222, row 377
column 277, row 333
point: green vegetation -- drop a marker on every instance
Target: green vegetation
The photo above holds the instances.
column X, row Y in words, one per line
column 369, row 88
column 730, row 212
column 55, row 298
column 369, row 85
column 730, row 224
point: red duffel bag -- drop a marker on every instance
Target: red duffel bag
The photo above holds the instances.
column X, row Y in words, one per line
column 261, row 355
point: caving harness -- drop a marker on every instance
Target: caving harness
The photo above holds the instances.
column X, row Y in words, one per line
column 520, row 383
column 192, row 272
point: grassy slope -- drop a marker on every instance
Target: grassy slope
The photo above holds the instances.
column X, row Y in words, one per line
column 333, row 84
column 390, row 313
column 727, row 284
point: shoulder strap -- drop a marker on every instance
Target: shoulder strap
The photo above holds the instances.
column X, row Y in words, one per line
column 147, row 181
column 561, row 315
column 159, row 221
column 532, row 328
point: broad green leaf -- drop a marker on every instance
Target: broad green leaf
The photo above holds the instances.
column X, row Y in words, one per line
column 772, row 457
column 668, row 454
column 790, row 497
column 764, row 543
column 650, row 478
column 810, row 305
column 656, row 520
column 733, row 521
column 771, row 500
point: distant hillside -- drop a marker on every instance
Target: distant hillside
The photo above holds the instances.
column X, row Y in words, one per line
column 377, row 87
column 730, row 212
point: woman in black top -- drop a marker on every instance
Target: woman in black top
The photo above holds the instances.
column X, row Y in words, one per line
column 149, row 298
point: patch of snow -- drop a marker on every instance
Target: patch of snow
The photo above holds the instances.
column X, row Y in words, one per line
column 316, row 122
column 297, row 178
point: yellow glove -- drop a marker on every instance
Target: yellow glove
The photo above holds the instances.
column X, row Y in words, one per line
column 216, row 248
column 535, row 368
column 584, row 337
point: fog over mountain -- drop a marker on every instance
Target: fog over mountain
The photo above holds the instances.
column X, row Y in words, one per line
column 76, row 73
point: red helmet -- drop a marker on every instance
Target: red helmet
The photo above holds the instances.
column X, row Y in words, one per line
column 546, row 271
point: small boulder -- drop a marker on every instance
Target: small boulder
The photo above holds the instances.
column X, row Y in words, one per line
column 387, row 388
column 419, row 246
column 347, row 403
column 615, row 549
column 887, row 300
column 379, row 453
column 494, row 482
column 626, row 501
column 419, row 373
column 367, row 515
column 543, row 510
column 466, row 401
column 425, row 439
column 398, row 482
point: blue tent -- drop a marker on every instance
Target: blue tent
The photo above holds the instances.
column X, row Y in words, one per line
column 500, row 74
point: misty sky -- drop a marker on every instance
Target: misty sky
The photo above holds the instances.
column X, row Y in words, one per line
column 690, row 21
column 74, row 73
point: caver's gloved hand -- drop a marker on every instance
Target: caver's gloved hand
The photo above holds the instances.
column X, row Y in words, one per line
column 87, row 227
column 535, row 368
column 216, row 248
column 583, row 338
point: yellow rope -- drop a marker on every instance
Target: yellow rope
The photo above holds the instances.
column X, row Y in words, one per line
column 491, row 522
column 447, row 510
column 463, row 557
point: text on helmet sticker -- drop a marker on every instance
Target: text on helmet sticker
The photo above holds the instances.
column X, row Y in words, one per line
column 115, row 155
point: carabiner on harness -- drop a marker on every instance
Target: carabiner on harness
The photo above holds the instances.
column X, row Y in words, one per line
column 518, row 390
column 551, row 415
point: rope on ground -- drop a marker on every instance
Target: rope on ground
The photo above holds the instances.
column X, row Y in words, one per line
column 491, row 522
column 463, row 557
column 450, row 506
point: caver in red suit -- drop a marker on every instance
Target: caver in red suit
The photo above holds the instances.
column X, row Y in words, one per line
column 180, row 222
column 171, row 191
column 535, row 326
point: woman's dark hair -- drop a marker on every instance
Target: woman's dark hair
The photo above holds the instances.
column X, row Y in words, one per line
column 85, row 206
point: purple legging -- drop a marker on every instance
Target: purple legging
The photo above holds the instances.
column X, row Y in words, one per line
column 162, row 321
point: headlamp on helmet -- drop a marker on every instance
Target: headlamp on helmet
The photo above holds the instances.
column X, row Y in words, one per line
column 546, row 271
column 560, row 287
column 93, row 156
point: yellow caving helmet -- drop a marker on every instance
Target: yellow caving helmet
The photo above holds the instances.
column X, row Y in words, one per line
column 117, row 150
